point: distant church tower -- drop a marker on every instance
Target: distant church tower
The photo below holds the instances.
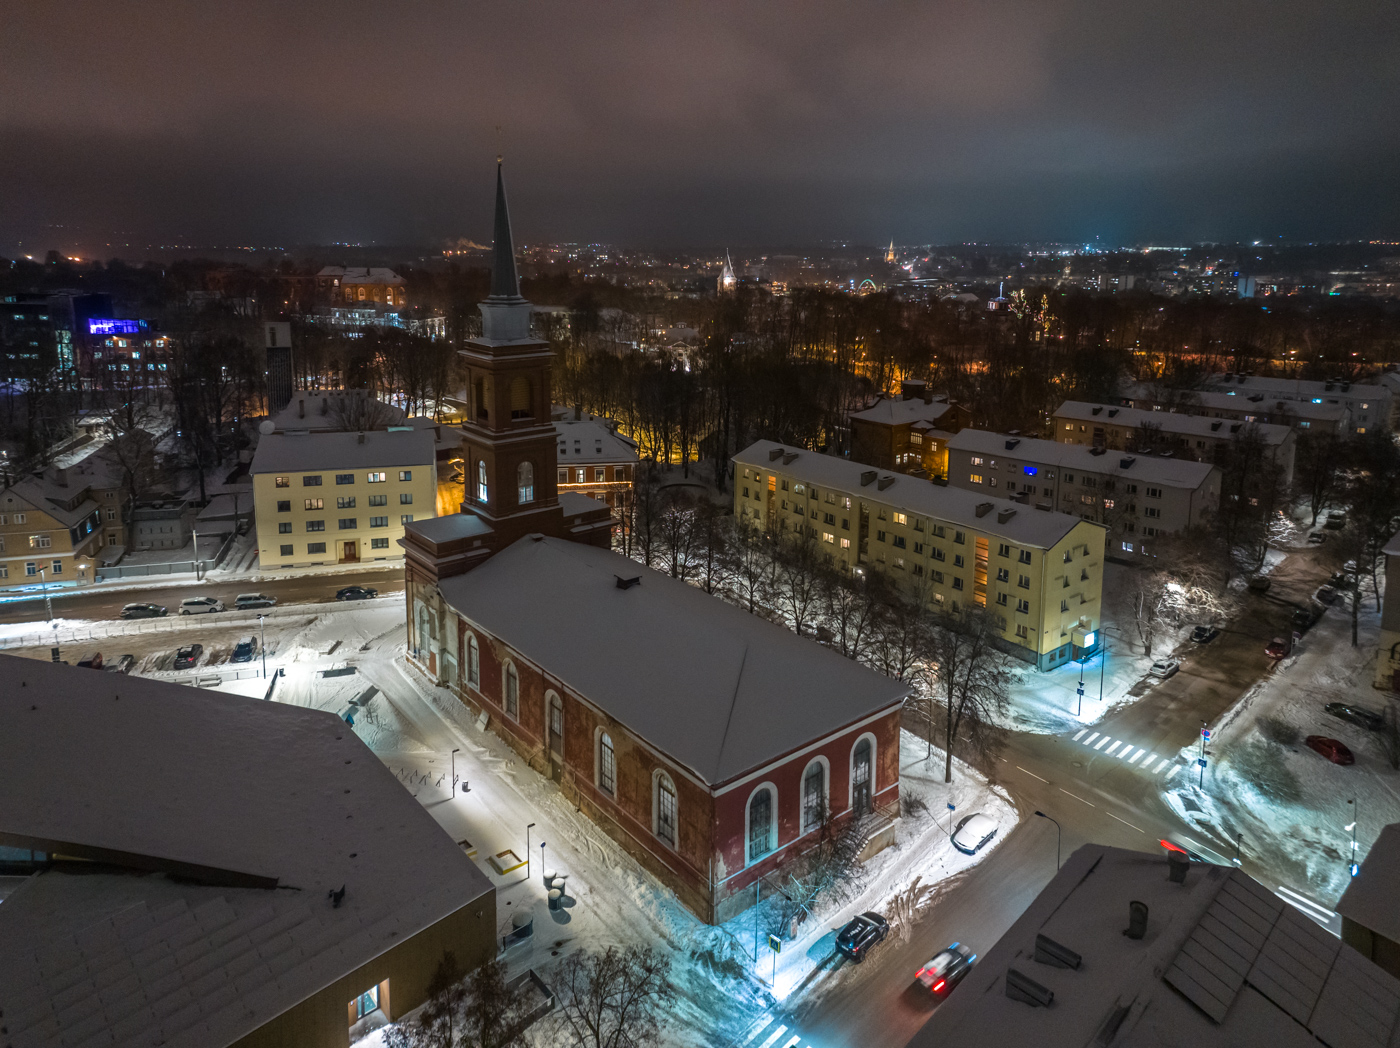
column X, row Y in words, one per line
column 889, row 254
column 726, row 275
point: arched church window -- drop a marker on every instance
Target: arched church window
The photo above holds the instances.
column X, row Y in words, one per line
column 481, row 480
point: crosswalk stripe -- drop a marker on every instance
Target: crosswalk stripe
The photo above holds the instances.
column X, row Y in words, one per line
column 1105, row 739
column 763, row 1023
column 1091, row 738
column 793, row 1041
column 1164, row 762
column 774, row 1036
column 1080, row 732
column 1173, row 772
column 1109, row 752
column 1136, row 755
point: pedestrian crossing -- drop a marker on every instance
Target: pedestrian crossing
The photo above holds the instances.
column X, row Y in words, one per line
column 1129, row 753
column 774, row 1031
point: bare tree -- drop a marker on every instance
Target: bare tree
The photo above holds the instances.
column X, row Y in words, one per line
column 827, row 868
column 614, row 999
column 972, row 675
column 799, row 578
column 355, row 412
column 437, row 1022
column 753, row 566
column 851, row 605
column 1147, row 592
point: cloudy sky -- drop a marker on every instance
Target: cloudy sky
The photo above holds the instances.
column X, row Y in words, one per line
column 687, row 123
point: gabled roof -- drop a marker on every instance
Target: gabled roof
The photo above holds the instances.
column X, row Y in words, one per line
column 1197, row 401
column 583, row 441
column 1171, row 472
column 191, row 796
column 301, row 452
column 718, row 690
column 1299, row 387
column 894, row 412
column 1169, row 421
column 1024, row 525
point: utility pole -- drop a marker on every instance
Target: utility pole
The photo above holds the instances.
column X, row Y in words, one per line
column 262, row 642
column 453, row 788
column 196, row 553
column 1205, row 738
column 1353, row 865
column 528, row 828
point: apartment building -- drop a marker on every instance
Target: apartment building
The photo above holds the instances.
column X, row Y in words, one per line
column 595, row 460
column 328, row 498
column 1040, row 570
column 1170, row 433
column 1241, row 407
column 908, row 434
column 1138, row 498
column 1367, row 406
column 58, row 525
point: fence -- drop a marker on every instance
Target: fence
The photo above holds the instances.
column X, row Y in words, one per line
column 174, row 567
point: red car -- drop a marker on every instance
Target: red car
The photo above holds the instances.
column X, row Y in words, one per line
column 1333, row 750
column 1278, row 648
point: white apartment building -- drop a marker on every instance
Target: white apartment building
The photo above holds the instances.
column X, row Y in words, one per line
column 1367, row 406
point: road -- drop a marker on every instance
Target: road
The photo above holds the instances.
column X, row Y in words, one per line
column 102, row 603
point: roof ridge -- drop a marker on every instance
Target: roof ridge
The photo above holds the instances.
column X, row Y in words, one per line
column 733, row 701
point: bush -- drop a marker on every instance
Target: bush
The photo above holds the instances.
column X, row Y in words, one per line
column 911, row 805
column 1278, row 731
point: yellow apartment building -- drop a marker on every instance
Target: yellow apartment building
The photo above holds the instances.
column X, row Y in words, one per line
column 340, row 498
column 1039, row 570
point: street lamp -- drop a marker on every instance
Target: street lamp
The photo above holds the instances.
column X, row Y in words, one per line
column 196, row 553
column 1057, row 836
column 1238, row 838
column 528, row 828
column 262, row 642
column 1353, row 865
column 453, row 788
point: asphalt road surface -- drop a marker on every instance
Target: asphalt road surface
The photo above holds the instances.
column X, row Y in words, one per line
column 99, row 603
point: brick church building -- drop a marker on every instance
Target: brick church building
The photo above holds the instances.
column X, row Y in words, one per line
column 709, row 742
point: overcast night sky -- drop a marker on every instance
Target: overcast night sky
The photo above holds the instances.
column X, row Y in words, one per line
column 699, row 124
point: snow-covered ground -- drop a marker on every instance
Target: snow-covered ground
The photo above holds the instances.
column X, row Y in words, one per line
column 1290, row 803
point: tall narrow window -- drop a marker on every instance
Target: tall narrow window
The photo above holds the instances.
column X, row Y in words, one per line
column 520, row 398
column 666, row 810
column 607, row 765
column 813, row 797
column 525, row 483
column 481, row 480
column 760, row 825
column 473, row 662
column 512, row 691
column 556, row 727
column 860, row 777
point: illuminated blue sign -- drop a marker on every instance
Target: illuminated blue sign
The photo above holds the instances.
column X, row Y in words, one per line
column 1030, row 471
column 116, row 327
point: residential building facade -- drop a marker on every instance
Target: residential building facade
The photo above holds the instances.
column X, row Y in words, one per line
column 908, row 434
column 1367, row 406
column 340, row 498
column 1241, row 406
column 57, row 526
column 595, row 460
column 1138, row 498
column 1171, row 433
column 1039, row 571
column 1388, row 649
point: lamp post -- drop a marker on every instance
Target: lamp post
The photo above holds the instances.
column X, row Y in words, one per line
column 453, row 788
column 48, row 602
column 1353, row 865
column 1057, row 836
column 528, row 828
column 1103, row 658
column 262, row 642
column 196, row 553
column 1238, row 838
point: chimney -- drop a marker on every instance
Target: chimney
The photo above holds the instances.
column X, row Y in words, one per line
column 623, row 584
column 578, row 412
column 362, row 438
column 325, row 405
column 928, row 395
column 301, row 407
column 868, row 477
column 983, row 508
column 60, row 477
column 1003, row 515
column 774, row 454
column 884, row 483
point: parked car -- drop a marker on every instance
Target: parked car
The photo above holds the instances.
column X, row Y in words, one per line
column 860, row 934
column 947, row 968
column 356, row 593
column 245, row 601
column 121, row 665
column 1333, row 750
column 243, row 650
column 1335, row 521
column 200, row 605
column 1317, row 538
column 142, row 611
column 1371, row 720
column 973, row 833
column 188, row 655
column 1204, row 634
column 1304, row 618
column 1327, row 595
column 1279, row 648
column 1163, row 668
column 1340, row 581
column 91, row 662
column 1259, row 583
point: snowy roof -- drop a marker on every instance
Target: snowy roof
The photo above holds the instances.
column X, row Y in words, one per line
column 892, row 412
column 299, row 452
column 1028, row 527
column 1168, row 421
column 314, row 409
column 376, row 275
column 451, row 527
column 215, row 795
column 1244, row 400
column 1224, row 962
column 1172, row 472
column 1299, row 387
column 589, row 440
column 717, row 689
column 1370, row 898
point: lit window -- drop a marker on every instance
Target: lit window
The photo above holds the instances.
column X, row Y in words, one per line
column 828, row 537
column 525, row 483
column 375, row 478
column 283, row 482
column 976, row 478
column 405, row 474
column 481, row 491
column 900, row 518
column 845, row 543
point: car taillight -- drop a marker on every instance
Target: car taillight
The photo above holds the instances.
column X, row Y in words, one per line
column 939, row 985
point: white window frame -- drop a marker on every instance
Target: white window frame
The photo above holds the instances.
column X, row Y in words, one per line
column 507, row 668
column 774, row 843
column 851, row 769
column 657, row 776
column 825, row 766
column 599, row 764
column 473, row 662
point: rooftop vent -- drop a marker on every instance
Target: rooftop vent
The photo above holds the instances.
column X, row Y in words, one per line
column 1097, row 451
column 1003, row 515
column 635, row 580
column 1011, row 444
column 776, row 453
column 868, row 477
column 1097, row 410
column 1235, row 428
column 1346, row 386
column 1328, row 387
column 1126, row 462
column 1137, row 920
column 885, row 482
column 1025, row 989
column 983, row 508
column 361, row 438
column 1048, row 951
column 1255, row 398
column 1167, row 454
column 789, row 458
column 1214, row 426
column 1112, row 412
column 1178, row 862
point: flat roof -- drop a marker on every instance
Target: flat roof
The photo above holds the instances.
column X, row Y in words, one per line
column 720, row 691
column 896, row 412
column 1298, row 387
column 1224, row 962
column 1026, row 525
column 187, row 796
column 1245, row 400
column 1172, row 472
column 1169, row 421
column 1372, row 899
column 308, row 452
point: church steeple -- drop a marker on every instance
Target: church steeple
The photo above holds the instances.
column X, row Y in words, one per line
column 505, row 316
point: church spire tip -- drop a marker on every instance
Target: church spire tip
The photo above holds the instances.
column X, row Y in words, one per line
column 504, row 281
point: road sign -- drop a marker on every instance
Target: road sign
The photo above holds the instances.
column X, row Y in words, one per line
column 1205, row 734
column 951, row 808
column 1201, row 761
column 1079, row 691
column 775, row 944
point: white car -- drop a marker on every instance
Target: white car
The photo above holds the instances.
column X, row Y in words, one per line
column 973, row 833
column 200, row 605
column 1164, row 668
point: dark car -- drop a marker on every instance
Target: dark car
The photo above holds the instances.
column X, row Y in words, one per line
column 947, row 968
column 1333, row 750
column 356, row 593
column 243, row 651
column 860, row 934
column 1204, row 634
column 1327, row 595
column 1279, row 648
column 1305, row 618
column 121, row 665
column 1335, row 521
column 188, row 655
column 142, row 611
column 91, row 662
column 1340, row 581
column 1260, row 583
column 1371, row 720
